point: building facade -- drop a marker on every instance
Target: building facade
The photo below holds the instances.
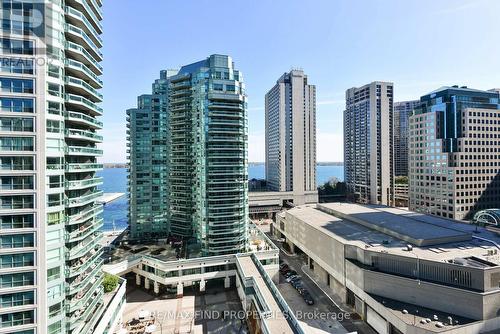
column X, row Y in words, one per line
column 50, row 254
column 402, row 112
column 454, row 160
column 290, row 121
column 147, row 152
column 188, row 158
column 390, row 264
column 368, row 143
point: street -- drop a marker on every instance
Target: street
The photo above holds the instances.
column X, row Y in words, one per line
column 345, row 323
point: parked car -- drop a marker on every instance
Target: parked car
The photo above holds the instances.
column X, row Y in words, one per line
column 284, row 269
column 291, row 278
column 301, row 290
column 290, row 273
column 297, row 283
column 308, row 299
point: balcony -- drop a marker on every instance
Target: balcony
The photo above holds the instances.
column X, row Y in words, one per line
column 78, row 68
column 83, row 247
column 84, row 167
column 79, row 36
column 81, row 281
column 81, row 87
column 85, row 199
column 84, row 231
column 83, row 264
column 81, row 299
column 80, row 317
column 82, row 135
column 82, row 184
column 83, row 7
column 76, row 17
column 84, row 151
column 85, row 104
column 80, row 54
column 83, row 119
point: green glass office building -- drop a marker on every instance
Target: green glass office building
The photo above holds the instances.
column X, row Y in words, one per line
column 206, row 167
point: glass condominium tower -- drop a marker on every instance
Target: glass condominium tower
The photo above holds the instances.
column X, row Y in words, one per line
column 206, row 153
column 50, row 259
column 147, row 151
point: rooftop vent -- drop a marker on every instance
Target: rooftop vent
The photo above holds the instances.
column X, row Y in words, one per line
column 409, row 248
column 463, row 87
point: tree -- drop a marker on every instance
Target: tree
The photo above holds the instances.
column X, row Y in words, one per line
column 401, row 180
column 110, row 282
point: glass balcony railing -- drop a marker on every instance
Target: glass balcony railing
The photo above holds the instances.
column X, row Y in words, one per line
column 82, row 35
column 82, row 118
column 83, row 247
column 85, row 199
column 85, row 86
column 79, row 300
column 96, row 22
column 83, row 264
column 80, row 67
column 80, row 316
column 83, row 134
column 81, row 101
column 79, row 15
column 83, row 215
column 70, row 46
column 80, row 184
column 86, row 151
column 83, row 167
column 84, row 231
column 84, row 278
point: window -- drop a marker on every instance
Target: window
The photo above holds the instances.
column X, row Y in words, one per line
column 17, row 299
column 16, row 319
column 16, row 65
column 16, row 221
column 10, row 85
column 55, row 218
column 16, row 202
column 19, row 124
column 54, row 311
column 16, row 163
column 53, row 274
column 15, row 46
column 16, row 105
column 15, row 280
column 16, row 241
column 16, row 260
column 16, row 143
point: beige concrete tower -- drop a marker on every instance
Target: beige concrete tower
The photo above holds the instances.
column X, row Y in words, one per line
column 368, row 143
column 291, row 135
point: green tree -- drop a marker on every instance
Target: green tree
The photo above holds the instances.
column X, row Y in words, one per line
column 110, row 282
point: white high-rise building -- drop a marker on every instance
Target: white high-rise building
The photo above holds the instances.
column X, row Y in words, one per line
column 50, row 253
column 291, row 135
column 368, row 143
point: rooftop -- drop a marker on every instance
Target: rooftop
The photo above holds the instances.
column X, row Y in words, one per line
column 390, row 230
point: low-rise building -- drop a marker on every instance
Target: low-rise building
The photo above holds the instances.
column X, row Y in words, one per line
column 403, row 272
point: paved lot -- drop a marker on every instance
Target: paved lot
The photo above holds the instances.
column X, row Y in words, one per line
column 193, row 313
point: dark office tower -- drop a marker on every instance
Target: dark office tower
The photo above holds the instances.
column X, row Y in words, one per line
column 402, row 112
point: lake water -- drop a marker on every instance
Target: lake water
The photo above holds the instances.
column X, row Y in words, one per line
column 115, row 181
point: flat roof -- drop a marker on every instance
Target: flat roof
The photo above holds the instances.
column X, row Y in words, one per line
column 277, row 323
column 390, row 236
column 404, row 225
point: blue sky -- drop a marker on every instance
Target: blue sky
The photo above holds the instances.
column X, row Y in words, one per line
column 419, row 45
